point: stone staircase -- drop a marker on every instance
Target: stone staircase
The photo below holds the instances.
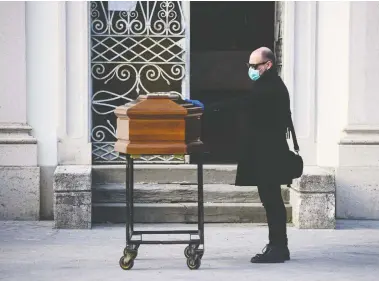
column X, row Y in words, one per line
column 168, row 193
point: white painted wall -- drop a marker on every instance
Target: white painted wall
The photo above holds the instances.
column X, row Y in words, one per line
column 12, row 63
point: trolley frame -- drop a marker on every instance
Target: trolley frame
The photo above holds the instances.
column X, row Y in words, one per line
column 195, row 249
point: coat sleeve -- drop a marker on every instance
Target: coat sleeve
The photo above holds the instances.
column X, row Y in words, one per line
column 267, row 105
column 242, row 101
column 265, row 100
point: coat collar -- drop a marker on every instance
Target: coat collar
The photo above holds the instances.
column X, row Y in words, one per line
column 269, row 75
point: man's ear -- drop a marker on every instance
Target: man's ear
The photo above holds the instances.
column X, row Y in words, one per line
column 270, row 65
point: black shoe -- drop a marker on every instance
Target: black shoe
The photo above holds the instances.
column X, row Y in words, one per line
column 271, row 254
column 285, row 249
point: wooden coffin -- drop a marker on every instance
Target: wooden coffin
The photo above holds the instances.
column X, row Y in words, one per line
column 158, row 124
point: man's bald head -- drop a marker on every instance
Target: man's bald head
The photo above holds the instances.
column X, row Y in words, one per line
column 267, row 54
column 262, row 59
column 261, row 55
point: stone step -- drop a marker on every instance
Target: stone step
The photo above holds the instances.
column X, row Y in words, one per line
column 164, row 173
column 183, row 213
column 179, row 193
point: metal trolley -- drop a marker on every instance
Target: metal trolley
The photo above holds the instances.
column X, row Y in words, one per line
column 195, row 249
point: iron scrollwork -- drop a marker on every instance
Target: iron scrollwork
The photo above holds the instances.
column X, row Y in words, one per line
column 132, row 53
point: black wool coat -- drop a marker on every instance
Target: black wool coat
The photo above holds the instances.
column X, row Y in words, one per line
column 263, row 149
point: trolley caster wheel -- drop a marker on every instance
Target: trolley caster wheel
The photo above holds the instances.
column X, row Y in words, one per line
column 190, row 251
column 187, row 252
column 133, row 253
column 193, row 263
column 126, row 265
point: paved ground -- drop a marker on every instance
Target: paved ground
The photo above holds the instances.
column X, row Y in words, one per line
column 35, row 251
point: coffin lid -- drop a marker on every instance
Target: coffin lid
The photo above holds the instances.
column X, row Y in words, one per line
column 153, row 105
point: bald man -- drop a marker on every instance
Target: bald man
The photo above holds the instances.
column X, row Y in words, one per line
column 263, row 148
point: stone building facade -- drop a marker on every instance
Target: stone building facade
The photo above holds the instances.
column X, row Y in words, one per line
column 51, row 154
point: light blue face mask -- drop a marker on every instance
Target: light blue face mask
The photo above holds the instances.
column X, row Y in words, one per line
column 254, row 74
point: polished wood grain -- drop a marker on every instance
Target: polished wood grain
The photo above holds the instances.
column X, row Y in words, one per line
column 158, row 125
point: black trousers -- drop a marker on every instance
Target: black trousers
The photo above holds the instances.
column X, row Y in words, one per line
column 271, row 197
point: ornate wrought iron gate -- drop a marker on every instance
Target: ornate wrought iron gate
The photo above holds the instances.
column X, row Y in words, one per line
column 132, row 52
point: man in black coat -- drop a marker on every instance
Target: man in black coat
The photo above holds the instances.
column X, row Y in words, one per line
column 263, row 148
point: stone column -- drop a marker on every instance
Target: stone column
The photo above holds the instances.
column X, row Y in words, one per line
column 299, row 73
column 74, row 146
column 332, row 84
column 311, row 196
column 58, row 101
column 357, row 176
column 19, row 174
column 73, row 177
column 45, row 35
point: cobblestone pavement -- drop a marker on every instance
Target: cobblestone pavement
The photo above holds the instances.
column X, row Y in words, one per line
column 35, row 251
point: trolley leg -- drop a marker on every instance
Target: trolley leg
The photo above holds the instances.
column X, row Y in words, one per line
column 200, row 199
column 194, row 252
column 127, row 188
column 131, row 191
column 129, row 254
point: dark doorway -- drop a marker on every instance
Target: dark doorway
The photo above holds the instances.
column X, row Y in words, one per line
column 223, row 34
